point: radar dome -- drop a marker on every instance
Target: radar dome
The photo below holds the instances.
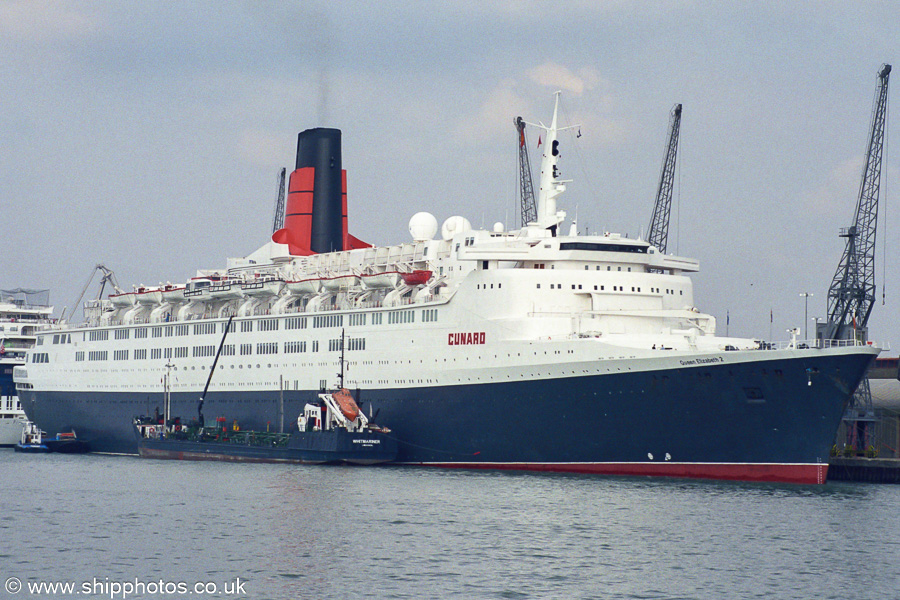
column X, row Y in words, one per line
column 454, row 225
column 422, row 226
column 498, row 227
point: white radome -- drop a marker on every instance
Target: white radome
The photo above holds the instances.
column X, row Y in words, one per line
column 423, row 226
column 454, row 225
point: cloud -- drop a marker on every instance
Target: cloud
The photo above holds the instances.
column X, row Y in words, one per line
column 44, row 21
column 494, row 117
column 833, row 198
column 553, row 75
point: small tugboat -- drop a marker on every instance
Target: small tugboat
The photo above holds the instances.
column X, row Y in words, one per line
column 32, row 440
column 331, row 429
column 67, row 443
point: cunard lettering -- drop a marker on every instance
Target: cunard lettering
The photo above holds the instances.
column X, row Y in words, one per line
column 465, row 339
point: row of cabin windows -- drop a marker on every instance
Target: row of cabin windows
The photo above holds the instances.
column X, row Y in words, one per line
column 608, row 268
column 354, row 320
column 485, row 286
column 328, row 321
column 334, row 345
column 586, row 267
column 205, row 351
column 40, row 357
column 615, row 288
column 401, row 316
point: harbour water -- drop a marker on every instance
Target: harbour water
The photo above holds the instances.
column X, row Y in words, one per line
column 272, row 531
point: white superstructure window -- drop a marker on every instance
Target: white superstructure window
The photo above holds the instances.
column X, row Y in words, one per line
column 267, row 347
column 267, row 325
column 295, row 323
column 204, row 328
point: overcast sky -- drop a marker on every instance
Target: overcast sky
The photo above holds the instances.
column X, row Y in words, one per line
column 147, row 135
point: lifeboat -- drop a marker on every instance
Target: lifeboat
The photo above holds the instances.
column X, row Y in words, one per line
column 346, row 403
column 378, row 281
column 197, row 287
column 263, row 287
column 227, row 289
column 148, row 296
column 304, row 286
column 416, row 277
column 341, row 283
column 172, row 293
column 122, row 300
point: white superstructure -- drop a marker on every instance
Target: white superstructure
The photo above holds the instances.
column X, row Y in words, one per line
column 468, row 306
column 22, row 314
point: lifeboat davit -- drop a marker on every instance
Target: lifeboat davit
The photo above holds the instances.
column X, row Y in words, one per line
column 346, row 403
column 416, row 277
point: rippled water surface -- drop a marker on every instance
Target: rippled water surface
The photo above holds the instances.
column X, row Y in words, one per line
column 339, row 532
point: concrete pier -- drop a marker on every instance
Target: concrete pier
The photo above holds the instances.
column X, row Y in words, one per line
column 872, row 470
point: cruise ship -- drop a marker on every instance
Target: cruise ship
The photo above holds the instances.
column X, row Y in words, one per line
column 531, row 348
column 22, row 314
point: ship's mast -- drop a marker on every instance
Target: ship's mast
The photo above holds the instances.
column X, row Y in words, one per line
column 552, row 186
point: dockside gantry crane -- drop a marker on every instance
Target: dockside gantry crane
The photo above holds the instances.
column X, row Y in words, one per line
column 279, row 202
column 659, row 221
column 528, row 212
column 852, row 292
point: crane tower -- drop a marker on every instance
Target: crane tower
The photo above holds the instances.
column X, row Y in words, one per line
column 526, row 185
column 279, row 203
column 852, row 292
column 659, row 222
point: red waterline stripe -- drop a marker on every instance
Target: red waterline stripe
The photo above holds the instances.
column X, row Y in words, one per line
column 772, row 472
